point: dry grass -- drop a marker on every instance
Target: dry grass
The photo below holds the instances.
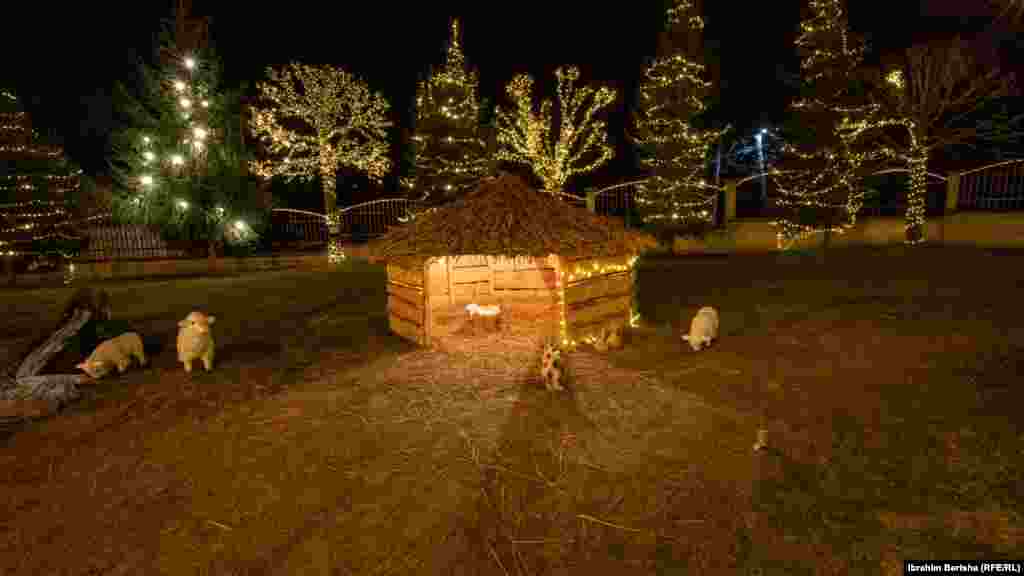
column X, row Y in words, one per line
column 322, row 445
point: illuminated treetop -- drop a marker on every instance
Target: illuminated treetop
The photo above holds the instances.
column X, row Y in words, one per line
column 579, row 146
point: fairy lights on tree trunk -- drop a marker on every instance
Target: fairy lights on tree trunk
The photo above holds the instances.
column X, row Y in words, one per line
column 673, row 93
column 314, row 119
column 450, row 152
column 931, row 101
column 580, row 144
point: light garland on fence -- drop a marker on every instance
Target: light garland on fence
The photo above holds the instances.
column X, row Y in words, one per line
column 526, row 136
column 451, row 156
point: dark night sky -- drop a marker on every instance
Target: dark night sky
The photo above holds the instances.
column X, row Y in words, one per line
column 388, row 45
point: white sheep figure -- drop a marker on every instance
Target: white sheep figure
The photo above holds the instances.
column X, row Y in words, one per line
column 703, row 328
column 195, row 340
column 117, row 352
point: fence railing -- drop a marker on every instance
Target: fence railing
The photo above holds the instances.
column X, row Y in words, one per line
column 127, row 241
column 297, row 228
column 996, row 187
column 615, row 201
column 373, row 219
column 302, row 228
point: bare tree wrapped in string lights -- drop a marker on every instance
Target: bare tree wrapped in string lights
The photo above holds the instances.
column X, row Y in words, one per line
column 673, row 93
column 314, row 119
column 932, row 99
column 580, row 144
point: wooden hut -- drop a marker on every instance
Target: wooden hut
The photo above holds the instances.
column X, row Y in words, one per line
column 506, row 243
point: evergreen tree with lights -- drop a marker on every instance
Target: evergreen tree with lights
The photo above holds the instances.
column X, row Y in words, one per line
column 179, row 161
column 819, row 179
column 313, row 119
column 674, row 148
column 579, row 143
column 39, row 188
column 450, row 151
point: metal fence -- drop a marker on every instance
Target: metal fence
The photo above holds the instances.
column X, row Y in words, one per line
column 359, row 223
column 616, row 201
column 996, row 187
column 372, row 219
column 290, row 228
column 124, row 241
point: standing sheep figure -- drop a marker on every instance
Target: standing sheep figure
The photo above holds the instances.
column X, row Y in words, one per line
column 703, row 328
column 195, row 340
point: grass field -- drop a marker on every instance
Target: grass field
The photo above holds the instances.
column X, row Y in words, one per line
column 887, row 381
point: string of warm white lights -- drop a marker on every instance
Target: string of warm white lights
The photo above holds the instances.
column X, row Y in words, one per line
column 672, row 92
column 32, row 221
column 828, row 178
column 525, row 136
column 168, row 152
column 579, row 275
column 343, row 123
column 451, row 155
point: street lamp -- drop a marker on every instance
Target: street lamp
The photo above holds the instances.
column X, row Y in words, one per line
column 760, row 158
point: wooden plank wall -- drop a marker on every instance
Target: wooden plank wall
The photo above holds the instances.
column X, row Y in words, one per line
column 484, row 279
column 529, row 277
column 471, row 278
column 597, row 301
column 406, row 303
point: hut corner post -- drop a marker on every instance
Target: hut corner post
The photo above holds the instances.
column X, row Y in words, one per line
column 427, row 314
column 562, row 330
column 448, row 278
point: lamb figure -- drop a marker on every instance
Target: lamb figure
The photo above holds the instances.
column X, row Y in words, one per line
column 117, row 352
column 703, row 328
column 195, row 340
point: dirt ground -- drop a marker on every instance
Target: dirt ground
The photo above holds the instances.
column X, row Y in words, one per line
column 321, row 444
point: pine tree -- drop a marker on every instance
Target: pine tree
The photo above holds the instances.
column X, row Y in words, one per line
column 39, row 186
column 820, row 187
column 674, row 150
column 179, row 161
column 450, row 151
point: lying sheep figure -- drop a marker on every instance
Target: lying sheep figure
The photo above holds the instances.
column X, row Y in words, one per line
column 703, row 328
column 114, row 352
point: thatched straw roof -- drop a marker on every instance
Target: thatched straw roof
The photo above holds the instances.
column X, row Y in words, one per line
column 505, row 216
